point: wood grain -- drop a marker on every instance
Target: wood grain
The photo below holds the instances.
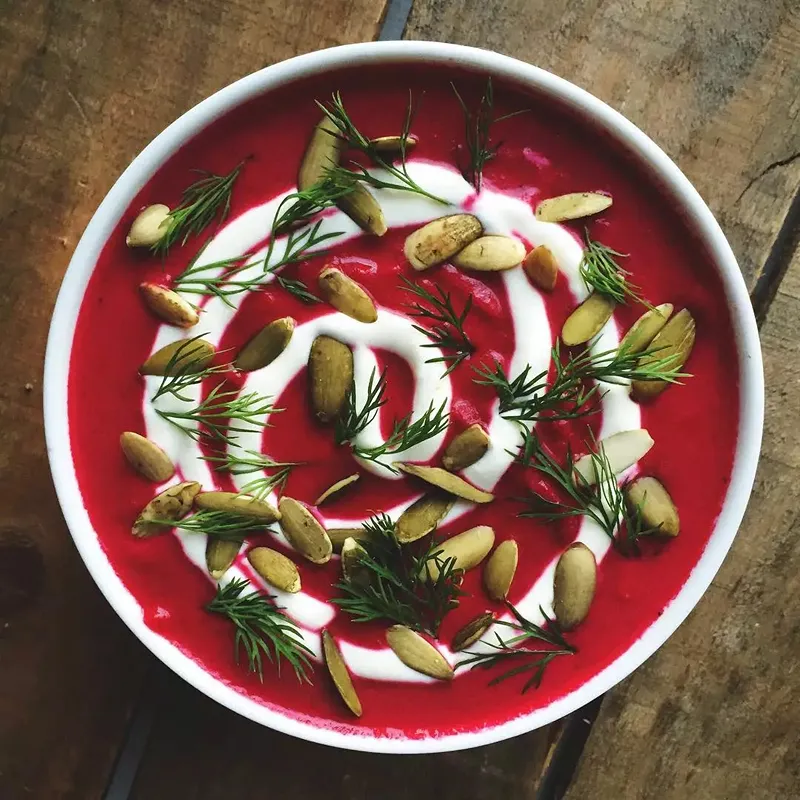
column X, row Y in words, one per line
column 714, row 713
column 715, row 84
column 83, row 87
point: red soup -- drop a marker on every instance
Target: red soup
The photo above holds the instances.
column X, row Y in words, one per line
column 485, row 318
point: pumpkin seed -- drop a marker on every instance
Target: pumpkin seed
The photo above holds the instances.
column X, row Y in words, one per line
column 330, row 368
column 266, row 345
column 220, row 554
column 644, row 330
column 587, row 320
column 466, row 448
column 418, row 653
column 336, row 488
column 622, row 450
column 441, row 239
column 541, row 267
column 347, row 296
column 275, row 568
column 491, row 254
column 675, row 341
column 194, row 357
column 392, row 144
column 472, row 631
column 573, row 585
column 146, row 457
column 339, row 536
column 362, row 207
column 169, row 305
column 245, row 505
column 352, row 568
column 572, row 206
column 655, row 507
column 467, row 549
column 500, row 569
column 422, row 516
column 437, row 476
column 171, row 504
column 304, row 532
column 149, row 227
column 323, row 152
column 339, row 673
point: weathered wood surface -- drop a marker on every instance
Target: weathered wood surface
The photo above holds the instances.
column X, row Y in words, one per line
column 713, row 714
column 83, row 87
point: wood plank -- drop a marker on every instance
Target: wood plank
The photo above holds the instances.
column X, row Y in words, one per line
column 83, row 87
column 714, row 713
column 715, row 84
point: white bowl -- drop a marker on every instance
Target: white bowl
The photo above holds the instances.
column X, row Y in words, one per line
column 163, row 146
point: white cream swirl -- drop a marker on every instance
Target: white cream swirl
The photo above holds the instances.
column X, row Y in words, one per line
column 499, row 213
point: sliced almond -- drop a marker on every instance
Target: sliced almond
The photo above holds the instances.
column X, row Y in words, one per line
column 467, row 549
column 675, row 341
column 339, row 673
column 149, row 227
column 185, row 356
column 471, row 632
column 339, row 536
column 587, row 320
column 352, row 568
column 169, row 305
column 574, row 585
column 330, row 369
column 244, row 505
column 500, row 569
column 644, row 330
column 491, row 254
column 220, row 555
column 541, row 267
column 418, row 653
column 146, row 457
column 347, row 296
column 572, row 206
column 437, row 476
column 392, row 144
column 652, row 502
column 304, row 532
column 275, row 568
column 336, row 488
column 266, row 345
column 362, row 207
column 172, row 504
column 622, row 450
column 323, row 152
column 466, row 448
column 441, row 239
column 422, row 516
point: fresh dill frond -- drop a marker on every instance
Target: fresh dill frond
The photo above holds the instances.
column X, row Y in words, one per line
column 218, row 524
column 246, row 462
column 602, row 273
column 353, row 419
column 262, row 628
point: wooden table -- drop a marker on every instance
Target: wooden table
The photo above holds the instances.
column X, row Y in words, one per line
column 84, row 709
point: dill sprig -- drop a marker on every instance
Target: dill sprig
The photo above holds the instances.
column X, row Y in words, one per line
column 354, row 419
column 603, row 274
column 398, row 587
column 253, row 461
column 196, row 280
column 200, row 204
column 447, row 328
column 261, row 627
column 185, row 368
column 406, row 434
column 218, row 524
column 477, row 134
column 602, row 501
column 335, row 111
column 506, row 652
column 299, row 207
column 529, row 398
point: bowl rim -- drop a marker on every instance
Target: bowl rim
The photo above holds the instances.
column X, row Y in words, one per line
column 116, row 202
